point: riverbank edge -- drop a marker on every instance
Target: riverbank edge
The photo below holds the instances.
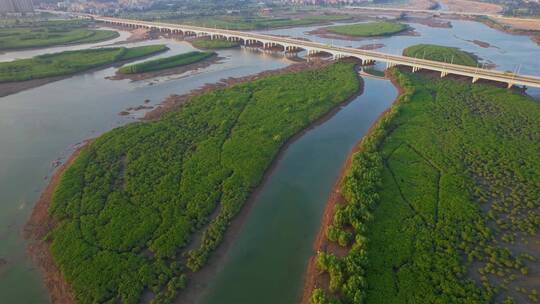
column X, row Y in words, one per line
column 312, row 277
column 40, row 223
column 9, row 88
column 39, row 226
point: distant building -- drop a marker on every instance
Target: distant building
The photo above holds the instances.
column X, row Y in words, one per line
column 16, row 6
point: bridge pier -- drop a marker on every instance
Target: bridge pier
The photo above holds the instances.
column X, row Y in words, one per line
column 390, row 64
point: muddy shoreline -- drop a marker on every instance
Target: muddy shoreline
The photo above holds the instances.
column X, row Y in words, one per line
column 312, row 277
column 36, row 230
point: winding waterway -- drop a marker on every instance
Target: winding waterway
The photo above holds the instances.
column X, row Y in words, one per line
column 266, row 262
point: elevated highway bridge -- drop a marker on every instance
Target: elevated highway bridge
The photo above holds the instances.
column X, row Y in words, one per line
column 294, row 45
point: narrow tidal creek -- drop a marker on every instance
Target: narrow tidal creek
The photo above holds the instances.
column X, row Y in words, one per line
column 269, row 256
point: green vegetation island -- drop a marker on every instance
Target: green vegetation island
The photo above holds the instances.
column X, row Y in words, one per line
column 50, row 33
column 166, row 62
column 439, row 203
column 213, row 44
column 441, row 53
column 144, row 205
column 370, row 29
column 22, row 74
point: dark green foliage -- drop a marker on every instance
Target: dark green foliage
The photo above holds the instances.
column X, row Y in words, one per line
column 370, row 29
column 166, row 63
column 70, row 62
column 135, row 197
column 441, row 53
column 442, row 179
column 44, row 34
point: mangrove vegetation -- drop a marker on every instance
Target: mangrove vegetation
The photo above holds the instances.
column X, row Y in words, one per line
column 441, row 53
column 166, row 62
column 51, row 33
column 129, row 205
column 370, row 29
column 442, row 202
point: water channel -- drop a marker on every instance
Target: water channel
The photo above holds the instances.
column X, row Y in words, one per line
column 267, row 260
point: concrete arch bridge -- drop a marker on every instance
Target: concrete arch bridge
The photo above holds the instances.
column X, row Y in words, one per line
column 296, row 45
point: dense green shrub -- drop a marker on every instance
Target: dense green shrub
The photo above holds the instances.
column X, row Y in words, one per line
column 135, row 197
column 441, row 53
column 450, row 171
column 165, row 63
column 370, row 29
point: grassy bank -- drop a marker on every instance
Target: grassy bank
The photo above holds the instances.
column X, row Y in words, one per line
column 370, row 29
column 70, row 62
column 45, row 34
column 213, row 44
column 166, row 63
column 441, row 203
column 440, row 53
column 135, row 197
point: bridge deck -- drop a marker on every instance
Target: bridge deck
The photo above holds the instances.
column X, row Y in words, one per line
column 475, row 73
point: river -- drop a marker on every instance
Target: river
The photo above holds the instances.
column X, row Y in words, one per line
column 267, row 260
column 43, row 124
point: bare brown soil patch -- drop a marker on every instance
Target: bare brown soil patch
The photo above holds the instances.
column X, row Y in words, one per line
column 467, row 6
column 521, row 24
